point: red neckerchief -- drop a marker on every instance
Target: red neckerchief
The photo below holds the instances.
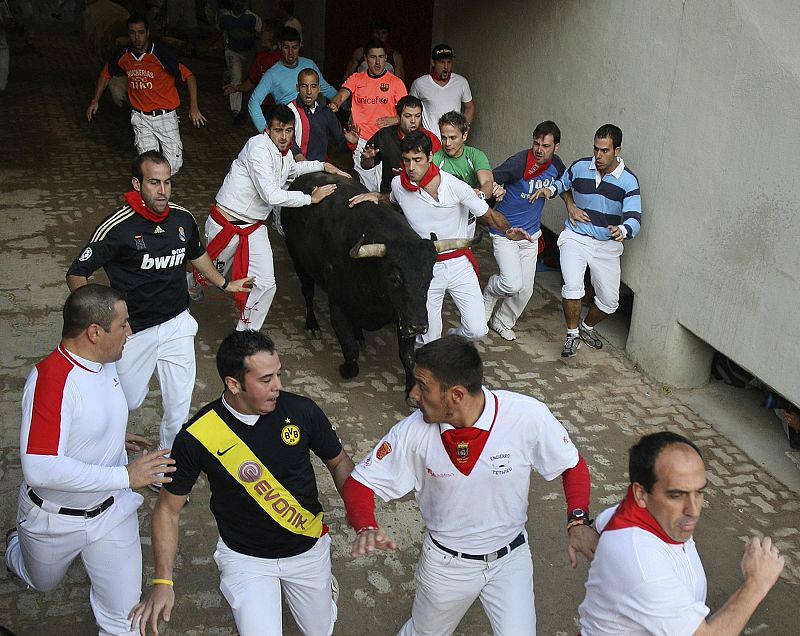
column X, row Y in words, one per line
column 630, row 515
column 464, row 445
column 409, row 185
column 530, row 166
column 134, row 199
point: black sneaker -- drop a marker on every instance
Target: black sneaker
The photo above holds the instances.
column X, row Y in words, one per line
column 590, row 338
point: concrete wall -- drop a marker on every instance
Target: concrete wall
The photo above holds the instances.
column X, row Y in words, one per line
column 706, row 93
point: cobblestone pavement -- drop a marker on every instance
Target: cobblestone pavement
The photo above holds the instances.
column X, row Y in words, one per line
column 60, row 176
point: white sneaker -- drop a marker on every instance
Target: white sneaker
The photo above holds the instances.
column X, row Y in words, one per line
column 489, row 303
column 504, row 332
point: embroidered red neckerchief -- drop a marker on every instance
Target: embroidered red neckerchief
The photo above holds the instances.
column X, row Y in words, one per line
column 530, row 166
column 134, row 199
column 465, row 445
column 408, row 184
column 631, row 515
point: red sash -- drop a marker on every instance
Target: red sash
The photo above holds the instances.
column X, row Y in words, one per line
column 630, row 515
column 241, row 259
column 464, row 445
column 530, row 166
column 446, row 256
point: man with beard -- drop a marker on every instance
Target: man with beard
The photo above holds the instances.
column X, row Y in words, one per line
column 143, row 247
column 256, row 186
column 152, row 70
column 383, row 150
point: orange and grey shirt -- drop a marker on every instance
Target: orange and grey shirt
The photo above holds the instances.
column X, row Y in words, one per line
column 151, row 77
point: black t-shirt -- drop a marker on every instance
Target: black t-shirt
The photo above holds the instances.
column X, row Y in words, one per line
column 144, row 260
column 243, row 525
column 387, row 140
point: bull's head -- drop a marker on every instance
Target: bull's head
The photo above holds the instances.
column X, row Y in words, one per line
column 405, row 270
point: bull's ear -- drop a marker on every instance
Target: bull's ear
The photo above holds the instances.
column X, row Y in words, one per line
column 434, row 237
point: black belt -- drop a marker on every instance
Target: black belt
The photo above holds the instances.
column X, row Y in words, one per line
column 492, row 556
column 74, row 512
column 154, row 113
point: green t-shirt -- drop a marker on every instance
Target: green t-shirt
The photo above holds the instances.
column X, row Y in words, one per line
column 464, row 167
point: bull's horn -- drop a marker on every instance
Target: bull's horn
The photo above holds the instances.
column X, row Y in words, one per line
column 444, row 245
column 371, row 250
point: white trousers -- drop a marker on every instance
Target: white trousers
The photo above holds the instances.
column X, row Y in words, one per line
column 47, row 543
column 236, row 63
column 167, row 349
column 456, row 277
column 261, row 266
column 446, row 586
column 601, row 257
column 253, row 586
column 370, row 179
column 159, row 132
column 514, row 284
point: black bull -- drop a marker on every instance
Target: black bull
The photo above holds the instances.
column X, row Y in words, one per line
column 375, row 269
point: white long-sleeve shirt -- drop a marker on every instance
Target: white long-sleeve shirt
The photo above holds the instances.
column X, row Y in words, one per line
column 72, row 439
column 258, row 180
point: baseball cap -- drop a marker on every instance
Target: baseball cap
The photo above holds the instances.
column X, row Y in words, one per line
column 442, row 52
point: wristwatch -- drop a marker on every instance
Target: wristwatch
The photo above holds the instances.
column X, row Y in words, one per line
column 578, row 517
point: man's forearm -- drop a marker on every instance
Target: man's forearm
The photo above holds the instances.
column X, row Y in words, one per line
column 100, row 87
column 731, row 618
column 204, row 265
column 164, row 526
column 74, row 282
column 191, row 86
column 469, row 112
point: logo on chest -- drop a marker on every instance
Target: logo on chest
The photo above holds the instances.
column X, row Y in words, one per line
column 250, row 472
column 139, row 242
column 173, row 259
column 462, row 452
column 501, row 463
column 290, row 434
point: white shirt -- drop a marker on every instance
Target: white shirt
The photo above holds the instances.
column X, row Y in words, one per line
column 448, row 217
column 72, row 439
column 486, row 510
column 257, row 180
column 438, row 100
column 639, row 585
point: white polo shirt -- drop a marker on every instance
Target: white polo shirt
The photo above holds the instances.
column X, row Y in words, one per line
column 438, row 100
column 639, row 585
column 258, row 179
column 487, row 509
column 448, row 217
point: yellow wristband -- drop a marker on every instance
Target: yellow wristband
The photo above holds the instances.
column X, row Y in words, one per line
column 163, row 582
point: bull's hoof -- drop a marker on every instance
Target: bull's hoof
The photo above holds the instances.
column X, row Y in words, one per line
column 348, row 370
column 314, row 334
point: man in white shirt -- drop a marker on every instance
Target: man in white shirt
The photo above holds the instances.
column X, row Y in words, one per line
column 76, row 498
column 442, row 90
column 467, row 454
column 438, row 203
column 647, row 577
column 256, row 186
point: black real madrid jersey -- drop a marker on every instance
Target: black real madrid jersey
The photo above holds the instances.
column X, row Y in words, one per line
column 144, row 260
